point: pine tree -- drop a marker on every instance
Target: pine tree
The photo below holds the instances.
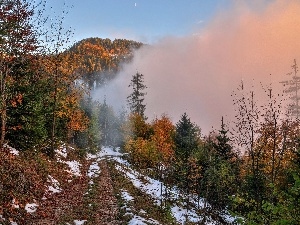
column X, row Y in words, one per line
column 186, row 137
column 137, row 97
column 293, row 88
column 109, row 124
column 222, row 146
column 221, row 169
column 186, row 142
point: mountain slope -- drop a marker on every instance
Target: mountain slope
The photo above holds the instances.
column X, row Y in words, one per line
column 100, row 59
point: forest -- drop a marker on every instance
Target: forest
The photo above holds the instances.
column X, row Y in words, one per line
column 249, row 171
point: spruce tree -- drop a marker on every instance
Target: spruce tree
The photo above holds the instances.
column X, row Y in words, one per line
column 109, row 124
column 186, row 142
column 136, row 98
column 222, row 145
column 186, row 137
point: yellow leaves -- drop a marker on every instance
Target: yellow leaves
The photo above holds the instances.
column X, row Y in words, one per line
column 62, row 66
column 17, row 127
column 16, row 100
column 137, row 127
column 62, row 71
column 78, row 121
column 143, row 152
column 70, row 110
column 150, row 144
column 273, row 150
column 105, row 55
column 162, row 137
column 195, row 172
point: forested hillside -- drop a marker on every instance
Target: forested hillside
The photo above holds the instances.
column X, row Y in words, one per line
column 101, row 59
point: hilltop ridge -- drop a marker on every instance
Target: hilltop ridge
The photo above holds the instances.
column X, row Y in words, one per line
column 100, row 59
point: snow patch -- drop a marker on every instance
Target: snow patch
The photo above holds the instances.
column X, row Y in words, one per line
column 62, row 151
column 155, row 188
column 182, row 215
column 126, row 196
column 74, row 167
column 94, row 170
column 105, row 152
column 137, row 220
column 151, row 187
column 54, row 185
column 143, row 211
column 79, row 222
column 108, row 151
column 31, row 207
column 90, row 156
column 11, row 149
column 14, row 204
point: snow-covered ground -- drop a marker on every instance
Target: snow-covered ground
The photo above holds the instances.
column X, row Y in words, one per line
column 152, row 187
column 155, row 188
column 52, row 185
column 136, row 219
column 74, row 166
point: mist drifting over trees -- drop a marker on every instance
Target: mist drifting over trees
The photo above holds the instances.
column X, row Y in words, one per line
column 197, row 73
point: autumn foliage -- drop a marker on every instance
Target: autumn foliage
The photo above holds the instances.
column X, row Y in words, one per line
column 100, row 59
column 150, row 144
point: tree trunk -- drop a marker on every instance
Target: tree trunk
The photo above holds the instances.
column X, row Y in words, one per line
column 3, row 124
column 51, row 153
column 3, row 111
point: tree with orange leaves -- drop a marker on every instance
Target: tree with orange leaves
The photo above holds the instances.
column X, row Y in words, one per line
column 163, row 131
column 151, row 143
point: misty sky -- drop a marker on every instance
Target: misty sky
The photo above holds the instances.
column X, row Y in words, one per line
column 200, row 50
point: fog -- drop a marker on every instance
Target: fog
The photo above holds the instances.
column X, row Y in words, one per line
column 198, row 73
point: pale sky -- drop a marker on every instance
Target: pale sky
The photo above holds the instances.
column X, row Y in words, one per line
column 141, row 20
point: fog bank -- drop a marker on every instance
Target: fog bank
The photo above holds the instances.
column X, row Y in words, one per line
column 197, row 73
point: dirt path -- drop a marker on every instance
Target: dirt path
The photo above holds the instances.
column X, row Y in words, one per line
column 108, row 208
column 73, row 203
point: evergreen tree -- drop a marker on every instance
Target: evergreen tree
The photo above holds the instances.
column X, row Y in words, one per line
column 104, row 122
column 220, row 169
column 17, row 44
column 186, row 143
column 137, row 97
column 222, row 145
column 293, row 88
column 110, row 125
column 186, row 137
column 27, row 113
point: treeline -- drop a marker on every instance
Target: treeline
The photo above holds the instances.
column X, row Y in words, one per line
column 251, row 170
